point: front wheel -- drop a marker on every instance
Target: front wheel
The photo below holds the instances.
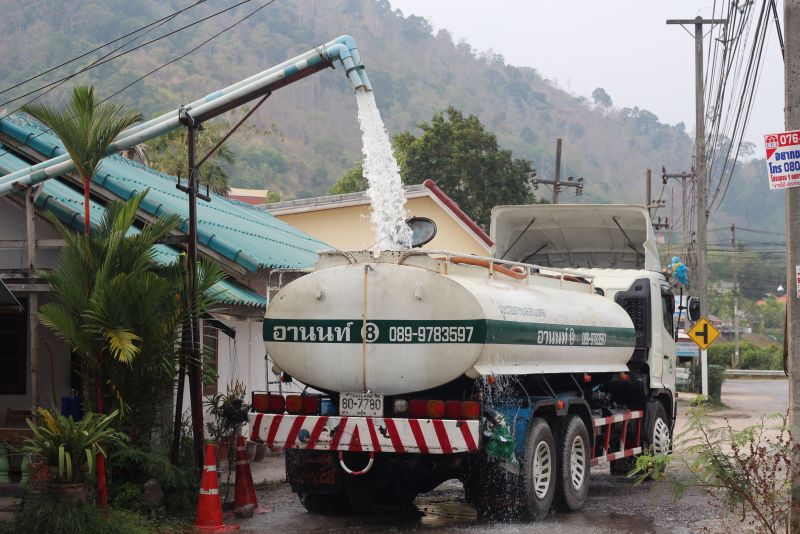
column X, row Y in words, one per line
column 573, row 463
column 539, row 469
column 657, row 441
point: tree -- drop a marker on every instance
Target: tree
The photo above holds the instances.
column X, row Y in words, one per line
column 273, row 196
column 351, row 181
column 169, row 155
column 466, row 162
column 601, row 98
column 87, row 127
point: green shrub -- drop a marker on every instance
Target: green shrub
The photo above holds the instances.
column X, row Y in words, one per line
column 41, row 513
column 751, row 356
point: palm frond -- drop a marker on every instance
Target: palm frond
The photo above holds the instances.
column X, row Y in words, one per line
column 123, row 345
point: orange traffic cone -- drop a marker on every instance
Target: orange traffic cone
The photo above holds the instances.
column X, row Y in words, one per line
column 245, row 502
column 209, row 506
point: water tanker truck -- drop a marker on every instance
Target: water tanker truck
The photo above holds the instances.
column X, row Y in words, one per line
column 515, row 374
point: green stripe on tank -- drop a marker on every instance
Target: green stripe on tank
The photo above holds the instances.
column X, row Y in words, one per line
column 407, row 332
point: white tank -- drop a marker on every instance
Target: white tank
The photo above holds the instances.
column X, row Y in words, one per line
column 410, row 321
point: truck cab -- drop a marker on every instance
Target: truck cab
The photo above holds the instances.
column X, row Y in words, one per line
column 614, row 245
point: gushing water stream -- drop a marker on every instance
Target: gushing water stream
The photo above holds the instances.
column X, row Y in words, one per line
column 383, row 175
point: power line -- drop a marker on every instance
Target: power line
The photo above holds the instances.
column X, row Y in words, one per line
column 91, row 65
column 117, row 56
column 175, row 59
column 93, row 50
column 745, row 102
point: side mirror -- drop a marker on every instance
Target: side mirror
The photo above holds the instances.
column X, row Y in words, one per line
column 693, row 309
column 422, row 231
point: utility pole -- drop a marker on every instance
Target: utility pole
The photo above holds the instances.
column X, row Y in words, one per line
column 685, row 218
column 791, row 31
column 558, row 171
column 701, row 193
column 556, row 183
column 735, row 358
column 648, row 188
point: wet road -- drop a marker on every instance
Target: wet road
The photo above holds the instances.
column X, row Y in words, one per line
column 614, row 505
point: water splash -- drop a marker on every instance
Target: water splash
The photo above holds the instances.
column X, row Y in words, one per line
column 383, row 175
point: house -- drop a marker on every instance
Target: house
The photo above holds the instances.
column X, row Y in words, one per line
column 255, row 197
column 253, row 248
column 343, row 220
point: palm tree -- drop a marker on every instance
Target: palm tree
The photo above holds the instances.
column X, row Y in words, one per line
column 87, row 127
column 111, row 300
column 97, row 297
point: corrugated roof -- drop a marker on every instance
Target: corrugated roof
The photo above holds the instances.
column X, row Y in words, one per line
column 67, row 204
column 248, row 236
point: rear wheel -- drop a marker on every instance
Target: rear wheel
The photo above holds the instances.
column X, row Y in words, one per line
column 572, row 462
column 539, row 470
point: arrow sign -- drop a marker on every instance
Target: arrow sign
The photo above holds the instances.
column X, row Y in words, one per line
column 703, row 333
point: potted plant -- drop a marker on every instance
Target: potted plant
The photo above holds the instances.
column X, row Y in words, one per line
column 68, row 449
column 229, row 413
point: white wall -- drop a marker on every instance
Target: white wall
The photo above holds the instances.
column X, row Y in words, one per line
column 242, row 359
column 12, row 226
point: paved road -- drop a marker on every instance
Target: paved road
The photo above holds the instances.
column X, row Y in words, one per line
column 614, row 504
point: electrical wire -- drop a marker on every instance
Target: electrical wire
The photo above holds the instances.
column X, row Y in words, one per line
column 743, row 109
column 94, row 63
column 117, row 56
column 100, row 47
column 175, row 59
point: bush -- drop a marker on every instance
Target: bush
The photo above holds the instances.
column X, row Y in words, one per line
column 132, row 467
column 751, row 356
column 748, row 471
column 41, row 513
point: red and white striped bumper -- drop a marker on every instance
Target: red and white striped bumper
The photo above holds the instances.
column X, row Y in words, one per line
column 368, row 434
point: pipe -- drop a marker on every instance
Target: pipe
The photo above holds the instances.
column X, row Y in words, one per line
column 343, row 49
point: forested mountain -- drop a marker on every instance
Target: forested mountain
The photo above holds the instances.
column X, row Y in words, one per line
column 314, row 134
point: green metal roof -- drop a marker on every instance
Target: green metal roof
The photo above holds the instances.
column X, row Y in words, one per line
column 67, row 204
column 246, row 235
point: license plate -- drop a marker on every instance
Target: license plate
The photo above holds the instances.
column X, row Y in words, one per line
column 361, row 405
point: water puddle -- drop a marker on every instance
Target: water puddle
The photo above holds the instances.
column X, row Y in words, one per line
column 383, row 174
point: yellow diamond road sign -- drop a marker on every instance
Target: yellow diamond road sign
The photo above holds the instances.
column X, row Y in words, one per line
column 703, row 333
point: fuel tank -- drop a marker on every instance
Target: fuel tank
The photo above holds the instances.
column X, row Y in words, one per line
column 407, row 321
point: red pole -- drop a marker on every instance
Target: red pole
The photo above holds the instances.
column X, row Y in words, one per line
column 100, row 460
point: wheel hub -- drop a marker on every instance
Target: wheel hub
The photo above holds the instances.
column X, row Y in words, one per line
column 577, row 463
column 542, row 470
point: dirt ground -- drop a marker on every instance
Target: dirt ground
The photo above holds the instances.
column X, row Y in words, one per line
column 615, row 504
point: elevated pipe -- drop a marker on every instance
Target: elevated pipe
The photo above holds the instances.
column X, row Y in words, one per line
column 343, row 49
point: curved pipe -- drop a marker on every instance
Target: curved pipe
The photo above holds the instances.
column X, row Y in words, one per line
column 343, row 49
column 516, row 271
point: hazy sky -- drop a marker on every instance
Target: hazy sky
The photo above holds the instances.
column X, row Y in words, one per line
column 624, row 46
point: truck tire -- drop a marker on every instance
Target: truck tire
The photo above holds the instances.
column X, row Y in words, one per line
column 573, row 462
column 657, row 436
column 325, row 504
column 539, row 470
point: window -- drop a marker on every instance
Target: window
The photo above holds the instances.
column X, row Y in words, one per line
column 14, row 351
column 668, row 309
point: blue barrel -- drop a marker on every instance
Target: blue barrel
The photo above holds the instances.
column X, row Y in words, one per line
column 71, row 407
